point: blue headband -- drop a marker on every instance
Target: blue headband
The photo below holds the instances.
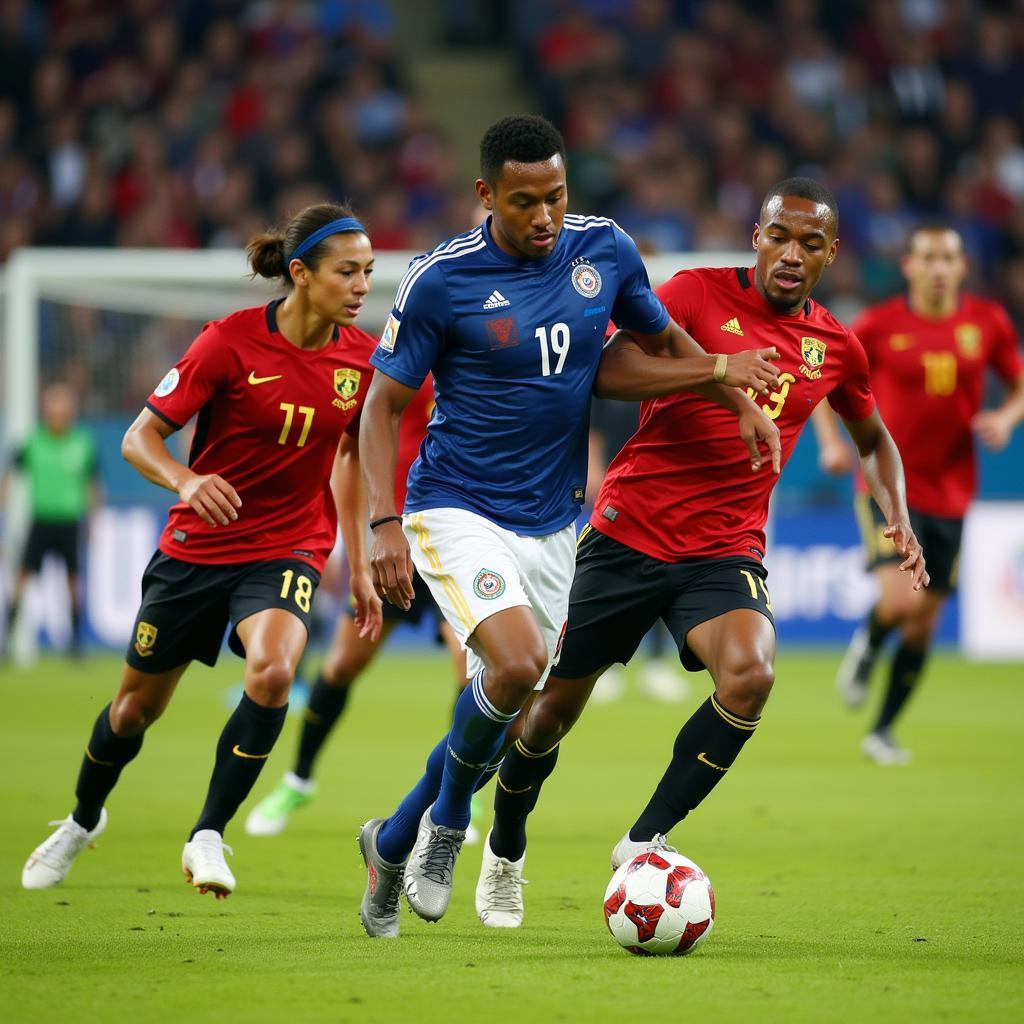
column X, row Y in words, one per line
column 336, row 227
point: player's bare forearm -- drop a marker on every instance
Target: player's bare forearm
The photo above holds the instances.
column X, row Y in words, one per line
column 144, row 448
column 378, row 441
column 881, row 464
column 636, row 367
column 994, row 427
column 210, row 496
column 628, row 373
column 883, row 472
column 350, row 500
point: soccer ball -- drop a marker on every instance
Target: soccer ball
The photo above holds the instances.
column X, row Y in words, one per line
column 659, row 904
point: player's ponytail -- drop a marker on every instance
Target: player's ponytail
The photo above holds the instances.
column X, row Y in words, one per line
column 268, row 253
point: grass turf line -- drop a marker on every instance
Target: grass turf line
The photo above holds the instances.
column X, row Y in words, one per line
column 828, row 870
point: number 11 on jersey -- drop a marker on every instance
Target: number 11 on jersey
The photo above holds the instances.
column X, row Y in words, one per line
column 559, row 344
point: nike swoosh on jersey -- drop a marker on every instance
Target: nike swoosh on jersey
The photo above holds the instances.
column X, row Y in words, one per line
column 253, row 379
column 236, row 750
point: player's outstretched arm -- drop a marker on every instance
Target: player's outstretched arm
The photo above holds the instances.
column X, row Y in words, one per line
column 144, row 447
column 633, row 368
column 350, row 499
column 390, row 562
column 883, row 472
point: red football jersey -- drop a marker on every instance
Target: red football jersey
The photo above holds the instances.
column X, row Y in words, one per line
column 411, row 431
column 270, row 418
column 928, row 377
column 682, row 486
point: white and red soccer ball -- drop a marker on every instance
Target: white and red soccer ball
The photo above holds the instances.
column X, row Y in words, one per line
column 659, row 904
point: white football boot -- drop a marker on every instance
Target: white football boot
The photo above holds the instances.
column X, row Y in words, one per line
column 626, row 849
column 204, row 866
column 50, row 862
column 499, row 890
column 880, row 748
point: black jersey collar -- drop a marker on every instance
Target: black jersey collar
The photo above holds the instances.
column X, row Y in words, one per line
column 271, row 316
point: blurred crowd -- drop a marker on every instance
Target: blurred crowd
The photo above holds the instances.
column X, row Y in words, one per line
column 198, row 122
column 679, row 115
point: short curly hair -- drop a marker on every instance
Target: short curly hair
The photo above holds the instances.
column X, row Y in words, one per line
column 805, row 188
column 521, row 138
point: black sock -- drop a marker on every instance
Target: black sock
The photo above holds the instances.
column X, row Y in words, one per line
column 704, row 751
column 105, row 756
column 907, row 664
column 76, row 628
column 325, row 706
column 877, row 631
column 242, row 751
column 520, row 777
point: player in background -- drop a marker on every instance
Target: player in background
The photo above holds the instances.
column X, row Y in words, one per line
column 928, row 352
column 677, row 532
column 350, row 653
column 510, row 318
column 277, row 390
column 59, row 461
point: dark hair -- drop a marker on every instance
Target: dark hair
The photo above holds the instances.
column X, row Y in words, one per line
column 935, row 224
column 268, row 252
column 805, row 188
column 521, row 138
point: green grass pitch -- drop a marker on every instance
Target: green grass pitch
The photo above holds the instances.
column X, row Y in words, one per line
column 846, row 892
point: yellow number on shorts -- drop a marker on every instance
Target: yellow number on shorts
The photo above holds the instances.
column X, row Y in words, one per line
column 303, row 588
column 289, row 414
column 752, row 582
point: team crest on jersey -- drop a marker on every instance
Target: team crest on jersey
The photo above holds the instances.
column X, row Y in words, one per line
column 145, row 638
column 899, row 342
column 387, row 339
column 968, row 340
column 488, row 585
column 168, row 384
column 813, row 352
column 502, row 332
column 346, row 384
column 586, row 280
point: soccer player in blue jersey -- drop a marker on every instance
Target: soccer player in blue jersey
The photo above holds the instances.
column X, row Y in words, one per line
column 510, row 318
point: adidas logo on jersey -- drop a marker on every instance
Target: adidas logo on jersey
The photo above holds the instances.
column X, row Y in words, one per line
column 733, row 327
column 496, row 300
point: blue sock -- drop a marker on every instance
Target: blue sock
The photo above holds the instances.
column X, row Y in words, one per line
column 478, row 729
column 398, row 834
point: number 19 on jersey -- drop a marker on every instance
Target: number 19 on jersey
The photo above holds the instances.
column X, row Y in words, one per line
column 557, row 342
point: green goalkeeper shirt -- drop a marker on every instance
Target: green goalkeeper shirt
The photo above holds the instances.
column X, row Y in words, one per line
column 60, row 469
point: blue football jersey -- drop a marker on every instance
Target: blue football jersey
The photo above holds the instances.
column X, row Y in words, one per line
column 513, row 345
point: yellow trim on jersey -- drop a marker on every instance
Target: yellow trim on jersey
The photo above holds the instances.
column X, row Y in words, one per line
column 529, row 753
column 451, row 588
column 740, row 723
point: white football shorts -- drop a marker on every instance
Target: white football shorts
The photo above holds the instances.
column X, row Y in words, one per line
column 475, row 568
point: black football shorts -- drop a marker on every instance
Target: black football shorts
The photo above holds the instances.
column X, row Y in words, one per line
column 939, row 537
column 619, row 593
column 187, row 606
column 46, row 538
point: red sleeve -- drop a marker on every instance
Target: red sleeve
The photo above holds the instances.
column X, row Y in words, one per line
column 200, row 372
column 1005, row 357
column 683, row 296
column 852, row 397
